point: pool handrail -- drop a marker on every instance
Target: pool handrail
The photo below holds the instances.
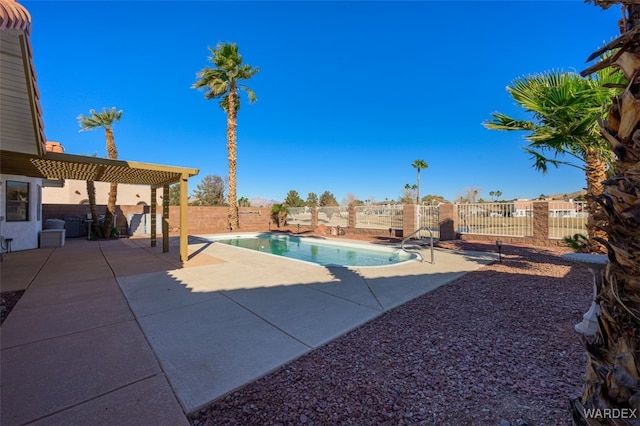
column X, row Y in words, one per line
column 414, row 251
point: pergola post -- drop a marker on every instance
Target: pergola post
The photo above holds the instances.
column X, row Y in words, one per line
column 165, row 218
column 152, row 212
column 184, row 231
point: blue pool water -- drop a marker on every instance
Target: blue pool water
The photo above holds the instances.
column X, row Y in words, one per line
column 318, row 251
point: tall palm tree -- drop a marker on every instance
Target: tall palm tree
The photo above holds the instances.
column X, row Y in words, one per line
column 612, row 376
column 223, row 81
column 564, row 129
column 105, row 119
column 419, row 165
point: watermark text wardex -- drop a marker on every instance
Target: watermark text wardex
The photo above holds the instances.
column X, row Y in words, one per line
column 610, row 413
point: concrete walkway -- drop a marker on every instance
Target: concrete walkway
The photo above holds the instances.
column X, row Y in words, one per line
column 116, row 332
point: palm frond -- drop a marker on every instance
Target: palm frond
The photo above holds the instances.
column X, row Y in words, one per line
column 250, row 93
column 565, row 109
column 504, row 122
column 541, row 162
column 419, row 164
column 228, row 70
column 96, row 120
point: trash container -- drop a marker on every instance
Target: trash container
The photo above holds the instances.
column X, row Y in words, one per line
column 54, row 224
column 73, row 225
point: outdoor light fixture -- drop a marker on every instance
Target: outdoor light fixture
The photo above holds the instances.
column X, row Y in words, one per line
column 298, row 228
column 269, row 226
column 499, row 245
column 5, row 244
column 390, row 230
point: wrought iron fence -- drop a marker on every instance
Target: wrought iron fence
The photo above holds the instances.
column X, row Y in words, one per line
column 382, row 216
column 429, row 216
column 299, row 216
column 567, row 218
column 500, row 219
column 333, row 216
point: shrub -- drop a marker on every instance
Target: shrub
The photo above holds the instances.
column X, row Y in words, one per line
column 577, row 243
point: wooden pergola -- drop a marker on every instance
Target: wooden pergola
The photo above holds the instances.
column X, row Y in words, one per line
column 55, row 166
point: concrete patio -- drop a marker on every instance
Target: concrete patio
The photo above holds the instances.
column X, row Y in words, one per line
column 117, row 332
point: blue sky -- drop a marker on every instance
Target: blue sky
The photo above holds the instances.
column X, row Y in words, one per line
column 349, row 93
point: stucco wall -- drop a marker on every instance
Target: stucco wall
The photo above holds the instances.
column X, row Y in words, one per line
column 75, row 192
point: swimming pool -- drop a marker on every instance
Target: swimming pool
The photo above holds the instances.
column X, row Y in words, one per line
column 317, row 251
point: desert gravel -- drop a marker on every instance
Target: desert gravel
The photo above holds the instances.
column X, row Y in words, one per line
column 495, row 347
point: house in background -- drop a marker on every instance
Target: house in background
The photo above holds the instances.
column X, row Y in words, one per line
column 571, row 208
column 522, row 208
column 25, row 162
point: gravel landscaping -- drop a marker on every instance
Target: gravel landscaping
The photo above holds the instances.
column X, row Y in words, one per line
column 8, row 300
column 495, row 347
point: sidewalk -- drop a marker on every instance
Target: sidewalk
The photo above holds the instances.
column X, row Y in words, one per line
column 116, row 332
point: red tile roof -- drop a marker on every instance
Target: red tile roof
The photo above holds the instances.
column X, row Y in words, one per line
column 14, row 16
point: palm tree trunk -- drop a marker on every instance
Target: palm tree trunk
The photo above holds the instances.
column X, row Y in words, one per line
column 612, row 376
column 418, row 194
column 596, row 172
column 112, row 151
column 91, row 193
column 232, row 156
column 110, row 212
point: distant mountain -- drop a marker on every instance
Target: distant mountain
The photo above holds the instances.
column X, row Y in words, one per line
column 568, row 196
column 262, row 202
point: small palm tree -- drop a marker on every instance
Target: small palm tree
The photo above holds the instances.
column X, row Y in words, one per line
column 223, row 82
column 407, row 193
column 279, row 214
column 419, row 165
column 105, row 119
column 565, row 109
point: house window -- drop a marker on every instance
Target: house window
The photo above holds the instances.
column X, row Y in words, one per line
column 17, row 201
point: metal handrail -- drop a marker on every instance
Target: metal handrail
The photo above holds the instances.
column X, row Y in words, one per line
column 404, row 240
